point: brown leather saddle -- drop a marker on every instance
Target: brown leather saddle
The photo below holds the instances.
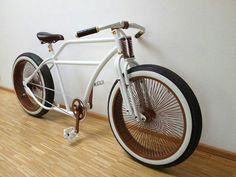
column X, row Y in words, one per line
column 46, row 37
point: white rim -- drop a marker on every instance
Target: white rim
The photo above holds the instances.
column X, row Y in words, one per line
column 186, row 108
column 41, row 76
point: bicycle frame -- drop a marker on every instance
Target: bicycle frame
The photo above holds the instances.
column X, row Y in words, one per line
column 153, row 113
column 123, row 79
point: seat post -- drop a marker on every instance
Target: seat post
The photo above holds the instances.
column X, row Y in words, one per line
column 50, row 48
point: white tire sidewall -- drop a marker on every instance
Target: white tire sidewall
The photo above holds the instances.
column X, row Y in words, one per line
column 186, row 108
column 26, row 58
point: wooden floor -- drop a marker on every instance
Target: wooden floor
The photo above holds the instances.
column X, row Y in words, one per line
column 35, row 147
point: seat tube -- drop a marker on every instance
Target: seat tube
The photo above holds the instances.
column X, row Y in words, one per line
column 61, row 87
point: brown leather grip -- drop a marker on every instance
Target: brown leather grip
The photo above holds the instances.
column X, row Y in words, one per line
column 86, row 32
column 140, row 33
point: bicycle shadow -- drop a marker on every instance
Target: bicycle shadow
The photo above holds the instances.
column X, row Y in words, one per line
column 86, row 132
column 95, row 129
column 152, row 49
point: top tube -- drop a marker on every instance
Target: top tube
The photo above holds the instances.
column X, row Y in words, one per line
column 82, row 41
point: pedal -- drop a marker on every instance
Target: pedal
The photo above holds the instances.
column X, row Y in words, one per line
column 70, row 133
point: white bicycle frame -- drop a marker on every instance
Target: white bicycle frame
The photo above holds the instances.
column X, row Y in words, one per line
column 123, row 79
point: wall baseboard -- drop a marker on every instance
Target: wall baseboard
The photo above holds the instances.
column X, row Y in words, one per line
column 201, row 147
column 217, row 151
column 7, row 89
column 97, row 115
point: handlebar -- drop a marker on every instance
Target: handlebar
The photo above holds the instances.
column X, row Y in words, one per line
column 119, row 25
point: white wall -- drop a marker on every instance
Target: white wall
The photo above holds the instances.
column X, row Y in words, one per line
column 196, row 39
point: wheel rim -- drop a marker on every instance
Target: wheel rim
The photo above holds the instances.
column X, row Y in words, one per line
column 24, row 69
column 163, row 132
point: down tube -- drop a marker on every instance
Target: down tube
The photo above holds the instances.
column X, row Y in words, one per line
column 111, row 53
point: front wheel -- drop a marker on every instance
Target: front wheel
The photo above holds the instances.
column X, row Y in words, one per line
column 173, row 124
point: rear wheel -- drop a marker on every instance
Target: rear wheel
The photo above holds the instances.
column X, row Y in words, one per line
column 23, row 67
column 173, row 122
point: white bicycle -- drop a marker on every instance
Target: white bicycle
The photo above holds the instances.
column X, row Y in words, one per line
column 153, row 113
